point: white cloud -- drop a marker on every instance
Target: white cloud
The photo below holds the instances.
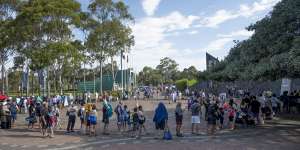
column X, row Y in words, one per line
column 152, row 34
column 239, row 33
column 150, row 6
column 193, row 32
column 245, row 10
column 218, row 18
column 218, row 44
column 151, row 42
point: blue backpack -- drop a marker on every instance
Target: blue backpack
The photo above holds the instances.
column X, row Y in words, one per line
column 109, row 110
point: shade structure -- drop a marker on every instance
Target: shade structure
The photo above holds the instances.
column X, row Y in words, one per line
column 3, row 97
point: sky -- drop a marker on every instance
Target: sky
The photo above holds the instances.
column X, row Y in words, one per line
column 185, row 30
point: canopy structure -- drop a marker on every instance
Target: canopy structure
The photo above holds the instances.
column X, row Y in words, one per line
column 3, row 97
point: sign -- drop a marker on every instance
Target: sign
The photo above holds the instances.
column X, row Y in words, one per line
column 285, row 85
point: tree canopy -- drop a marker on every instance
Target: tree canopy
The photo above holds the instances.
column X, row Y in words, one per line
column 272, row 52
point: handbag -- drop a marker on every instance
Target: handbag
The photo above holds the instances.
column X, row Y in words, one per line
column 167, row 135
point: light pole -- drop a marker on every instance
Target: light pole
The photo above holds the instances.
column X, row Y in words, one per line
column 122, row 74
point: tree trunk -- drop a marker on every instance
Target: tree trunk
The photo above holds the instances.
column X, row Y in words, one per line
column 101, row 73
column 55, row 84
column 60, row 84
column 84, row 78
column 112, row 72
column 32, row 83
column 2, row 75
column 27, row 84
column 48, row 83
column 6, row 82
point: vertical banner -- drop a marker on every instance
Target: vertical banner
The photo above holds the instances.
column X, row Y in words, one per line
column 285, row 85
column 25, row 75
column 41, row 77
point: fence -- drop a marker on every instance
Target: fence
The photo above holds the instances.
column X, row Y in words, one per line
column 254, row 87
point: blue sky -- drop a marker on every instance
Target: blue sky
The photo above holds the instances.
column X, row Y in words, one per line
column 185, row 29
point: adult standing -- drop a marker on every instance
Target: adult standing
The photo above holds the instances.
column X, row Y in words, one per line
column 160, row 118
column 179, row 118
column 107, row 113
column 212, row 117
column 51, row 120
column 71, row 113
column 120, row 115
column 255, row 108
column 196, row 110
column 4, row 112
column 13, row 108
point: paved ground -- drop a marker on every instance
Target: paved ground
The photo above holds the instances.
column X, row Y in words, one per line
column 277, row 134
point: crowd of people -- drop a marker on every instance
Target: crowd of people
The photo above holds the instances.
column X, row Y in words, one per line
column 216, row 112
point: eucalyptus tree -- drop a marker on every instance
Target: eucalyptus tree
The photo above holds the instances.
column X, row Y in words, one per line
column 44, row 30
column 110, row 32
column 8, row 10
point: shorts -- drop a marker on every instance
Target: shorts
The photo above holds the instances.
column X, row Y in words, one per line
column 93, row 120
column 13, row 116
column 195, row 119
column 211, row 121
column 179, row 120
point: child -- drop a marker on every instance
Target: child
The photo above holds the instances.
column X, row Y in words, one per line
column 51, row 121
column 126, row 117
column 231, row 117
column 93, row 120
column 142, row 120
column 32, row 117
column 135, row 122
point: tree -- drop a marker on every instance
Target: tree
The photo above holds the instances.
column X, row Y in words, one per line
column 168, row 69
column 43, row 30
column 189, row 73
column 8, row 8
column 271, row 53
column 109, row 33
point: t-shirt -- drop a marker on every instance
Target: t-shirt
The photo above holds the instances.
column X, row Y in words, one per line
column 196, row 108
column 13, row 109
column 212, row 112
column 255, row 105
column 72, row 112
column 135, row 118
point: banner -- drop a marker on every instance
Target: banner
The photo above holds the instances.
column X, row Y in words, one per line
column 25, row 75
column 41, row 77
column 285, row 85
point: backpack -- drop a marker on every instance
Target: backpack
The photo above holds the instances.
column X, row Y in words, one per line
column 109, row 110
column 13, row 108
column 135, row 117
column 79, row 112
column 117, row 110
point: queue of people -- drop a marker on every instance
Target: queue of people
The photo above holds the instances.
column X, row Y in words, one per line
column 216, row 112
